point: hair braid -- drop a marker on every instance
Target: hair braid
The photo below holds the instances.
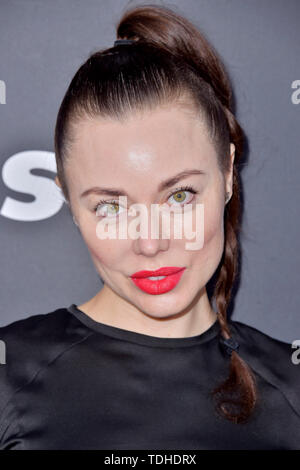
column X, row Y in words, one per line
column 236, row 397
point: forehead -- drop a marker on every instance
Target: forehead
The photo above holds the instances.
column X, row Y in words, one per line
column 152, row 143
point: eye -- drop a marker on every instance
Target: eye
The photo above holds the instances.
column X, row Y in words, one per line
column 110, row 206
column 180, row 194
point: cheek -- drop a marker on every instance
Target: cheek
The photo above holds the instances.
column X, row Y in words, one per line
column 108, row 253
column 210, row 254
column 213, row 227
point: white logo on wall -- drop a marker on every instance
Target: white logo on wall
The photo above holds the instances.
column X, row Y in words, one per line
column 2, row 92
column 16, row 175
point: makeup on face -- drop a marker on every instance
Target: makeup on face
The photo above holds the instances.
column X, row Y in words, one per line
column 178, row 168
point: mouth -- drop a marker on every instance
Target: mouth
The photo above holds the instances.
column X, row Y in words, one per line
column 158, row 282
column 165, row 271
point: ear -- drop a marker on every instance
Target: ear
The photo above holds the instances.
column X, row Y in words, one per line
column 57, row 182
column 229, row 176
column 232, row 152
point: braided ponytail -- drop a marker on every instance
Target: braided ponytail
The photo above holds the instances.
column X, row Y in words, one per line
column 241, row 381
column 169, row 59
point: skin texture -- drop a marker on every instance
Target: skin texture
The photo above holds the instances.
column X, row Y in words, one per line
column 136, row 155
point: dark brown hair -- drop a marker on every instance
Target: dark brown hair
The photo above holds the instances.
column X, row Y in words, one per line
column 170, row 61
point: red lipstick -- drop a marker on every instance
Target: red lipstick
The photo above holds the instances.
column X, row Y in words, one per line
column 160, row 286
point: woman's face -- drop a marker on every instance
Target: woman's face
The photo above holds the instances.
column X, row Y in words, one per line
column 136, row 156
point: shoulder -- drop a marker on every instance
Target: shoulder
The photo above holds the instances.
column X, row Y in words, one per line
column 25, row 336
column 254, row 338
column 31, row 324
column 29, row 344
column 276, row 361
column 56, row 326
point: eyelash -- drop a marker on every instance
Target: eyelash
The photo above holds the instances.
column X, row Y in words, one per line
column 174, row 191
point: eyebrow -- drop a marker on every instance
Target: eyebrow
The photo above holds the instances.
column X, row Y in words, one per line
column 161, row 187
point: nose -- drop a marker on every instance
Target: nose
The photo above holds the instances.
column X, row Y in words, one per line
column 150, row 241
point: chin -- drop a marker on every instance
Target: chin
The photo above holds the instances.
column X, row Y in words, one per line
column 163, row 305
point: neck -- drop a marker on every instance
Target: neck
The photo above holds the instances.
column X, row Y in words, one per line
column 109, row 308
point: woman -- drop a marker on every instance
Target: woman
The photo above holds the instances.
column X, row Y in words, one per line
column 148, row 363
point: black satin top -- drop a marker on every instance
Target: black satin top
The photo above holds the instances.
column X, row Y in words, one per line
column 70, row 382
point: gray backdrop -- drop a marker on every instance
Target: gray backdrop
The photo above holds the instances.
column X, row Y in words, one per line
column 44, row 262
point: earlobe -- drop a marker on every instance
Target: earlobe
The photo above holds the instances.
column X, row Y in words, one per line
column 227, row 197
column 57, row 182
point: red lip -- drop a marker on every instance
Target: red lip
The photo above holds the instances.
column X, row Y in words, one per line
column 166, row 271
column 160, row 286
